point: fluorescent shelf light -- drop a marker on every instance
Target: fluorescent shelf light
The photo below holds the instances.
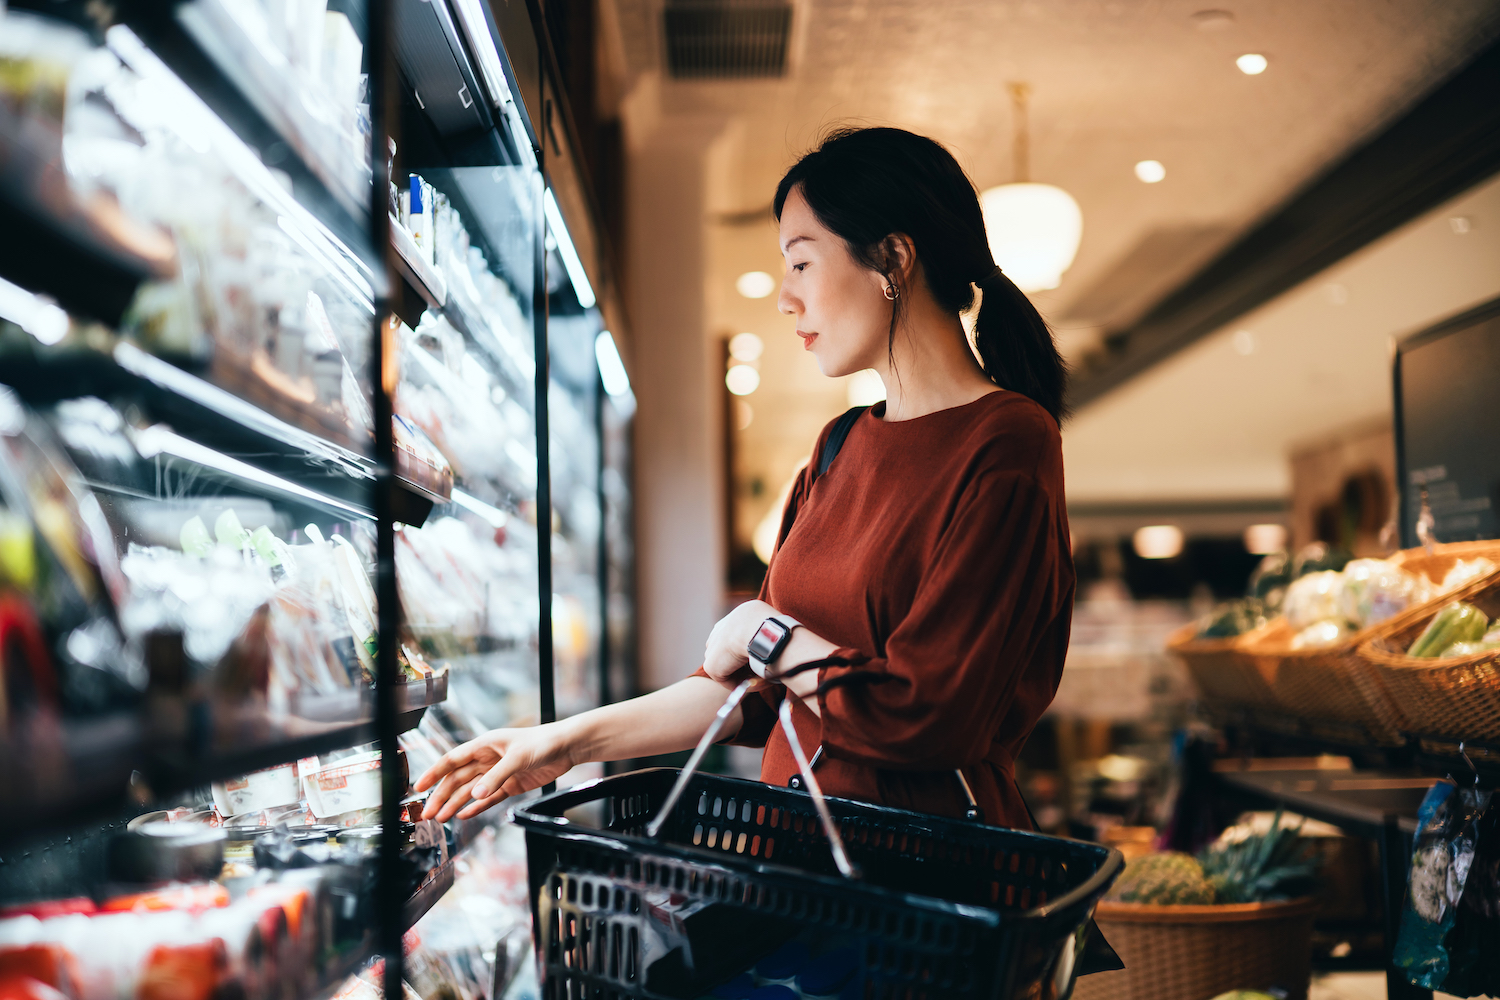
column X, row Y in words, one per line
column 568, row 253
column 611, row 369
column 158, row 440
column 38, row 316
column 477, row 30
column 496, row 517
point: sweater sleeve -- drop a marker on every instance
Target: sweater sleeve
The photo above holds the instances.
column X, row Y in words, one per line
column 951, row 667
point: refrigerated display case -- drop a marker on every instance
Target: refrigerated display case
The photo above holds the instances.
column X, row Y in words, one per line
column 302, row 483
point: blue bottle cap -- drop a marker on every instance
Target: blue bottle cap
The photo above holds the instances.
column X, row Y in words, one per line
column 827, row 973
column 738, row 988
column 784, row 963
column 774, row 993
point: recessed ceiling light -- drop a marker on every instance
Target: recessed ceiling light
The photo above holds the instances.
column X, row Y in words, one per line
column 745, row 347
column 1244, row 342
column 1150, row 171
column 742, row 380
column 1252, row 63
column 1158, row 541
column 1460, row 224
column 1337, row 293
column 755, row 284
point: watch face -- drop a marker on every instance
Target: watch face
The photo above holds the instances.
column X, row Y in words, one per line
column 763, row 646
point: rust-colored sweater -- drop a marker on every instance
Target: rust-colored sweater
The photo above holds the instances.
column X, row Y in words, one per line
column 935, row 552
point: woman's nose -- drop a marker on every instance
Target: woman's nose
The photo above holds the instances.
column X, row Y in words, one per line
column 786, row 303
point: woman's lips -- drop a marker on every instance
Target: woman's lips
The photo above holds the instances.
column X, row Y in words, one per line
column 807, row 339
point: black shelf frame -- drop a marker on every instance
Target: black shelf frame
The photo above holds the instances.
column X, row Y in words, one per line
column 339, row 478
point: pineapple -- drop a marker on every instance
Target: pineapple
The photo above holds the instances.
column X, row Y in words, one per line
column 1163, row 879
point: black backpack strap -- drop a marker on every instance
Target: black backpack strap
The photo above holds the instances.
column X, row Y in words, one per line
column 836, row 437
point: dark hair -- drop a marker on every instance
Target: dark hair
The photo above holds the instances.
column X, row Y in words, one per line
column 866, row 184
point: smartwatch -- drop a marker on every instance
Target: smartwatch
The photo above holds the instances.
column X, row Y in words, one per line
column 770, row 639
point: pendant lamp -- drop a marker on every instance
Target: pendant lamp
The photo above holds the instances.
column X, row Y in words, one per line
column 1033, row 229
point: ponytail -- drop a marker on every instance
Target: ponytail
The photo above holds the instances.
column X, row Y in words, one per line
column 866, row 184
column 1016, row 347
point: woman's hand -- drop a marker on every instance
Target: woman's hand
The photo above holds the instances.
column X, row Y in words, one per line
column 725, row 654
column 503, row 762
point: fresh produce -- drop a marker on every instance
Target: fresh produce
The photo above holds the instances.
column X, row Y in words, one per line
column 1319, row 557
column 1374, row 590
column 1165, row 879
column 1323, row 633
column 1271, row 578
column 1458, row 622
column 1262, row 866
column 1241, row 867
column 1468, row 648
column 1314, row 597
column 1234, row 618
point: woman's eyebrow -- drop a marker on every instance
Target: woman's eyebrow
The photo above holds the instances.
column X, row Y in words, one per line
column 795, row 240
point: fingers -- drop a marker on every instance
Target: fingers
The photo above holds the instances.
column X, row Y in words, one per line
column 498, row 775
column 454, row 758
column 449, row 787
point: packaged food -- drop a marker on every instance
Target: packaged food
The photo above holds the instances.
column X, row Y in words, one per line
column 1271, row 578
column 1458, row 622
column 266, row 789
column 1373, row 591
column 1465, row 570
column 344, row 786
column 1314, row 597
column 1442, row 856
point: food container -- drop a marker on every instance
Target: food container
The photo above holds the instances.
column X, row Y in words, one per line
column 166, row 852
column 344, row 786
column 257, row 791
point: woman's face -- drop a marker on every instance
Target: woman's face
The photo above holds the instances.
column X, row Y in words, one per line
column 842, row 313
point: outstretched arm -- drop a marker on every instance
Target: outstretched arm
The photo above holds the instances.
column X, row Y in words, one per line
column 472, row 777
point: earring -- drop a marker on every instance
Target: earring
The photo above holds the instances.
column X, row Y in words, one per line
column 891, row 291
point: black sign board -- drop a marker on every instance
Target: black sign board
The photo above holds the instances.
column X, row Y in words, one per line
column 1447, row 402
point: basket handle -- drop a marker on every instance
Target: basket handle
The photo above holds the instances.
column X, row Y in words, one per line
column 736, row 696
column 835, row 841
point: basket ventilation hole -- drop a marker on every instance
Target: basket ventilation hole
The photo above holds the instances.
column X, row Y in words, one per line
column 1015, row 863
column 740, row 845
column 760, row 815
column 572, row 891
column 718, row 806
column 713, row 835
column 631, row 970
column 1025, row 898
column 697, row 834
column 755, row 846
column 588, row 894
column 1010, row 895
column 703, row 804
column 770, row 845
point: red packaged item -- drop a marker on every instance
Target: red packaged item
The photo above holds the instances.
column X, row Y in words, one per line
column 193, row 898
column 183, row 972
column 49, row 964
column 26, row 988
column 51, row 908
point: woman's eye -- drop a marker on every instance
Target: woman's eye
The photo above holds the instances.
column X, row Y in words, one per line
column 798, row 267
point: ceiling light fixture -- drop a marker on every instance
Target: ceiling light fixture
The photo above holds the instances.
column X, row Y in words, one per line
column 1150, row 171
column 745, row 347
column 611, row 369
column 1158, row 541
column 1244, row 342
column 1034, row 229
column 755, row 284
column 572, row 263
column 742, row 380
column 1252, row 63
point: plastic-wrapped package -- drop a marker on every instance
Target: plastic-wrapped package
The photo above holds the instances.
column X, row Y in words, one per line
column 1374, row 590
column 1314, row 597
column 1443, row 853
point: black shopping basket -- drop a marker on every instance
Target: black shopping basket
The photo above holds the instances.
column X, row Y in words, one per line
column 737, row 870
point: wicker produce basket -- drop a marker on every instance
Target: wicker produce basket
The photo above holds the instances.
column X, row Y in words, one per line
column 1457, row 697
column 1196, row 952
column 1332, row 690
column 1224, row 675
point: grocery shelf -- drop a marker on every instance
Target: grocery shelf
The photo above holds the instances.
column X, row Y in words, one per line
column 427, row 281
column 203, row 45
column 438, row 882
column 78, row 769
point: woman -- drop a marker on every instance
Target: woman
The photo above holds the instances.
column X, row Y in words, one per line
column 927, row 572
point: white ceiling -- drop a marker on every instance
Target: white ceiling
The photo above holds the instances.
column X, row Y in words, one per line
column 1113, row 83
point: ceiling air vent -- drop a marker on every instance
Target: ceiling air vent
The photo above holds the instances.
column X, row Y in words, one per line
column 708, row 39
